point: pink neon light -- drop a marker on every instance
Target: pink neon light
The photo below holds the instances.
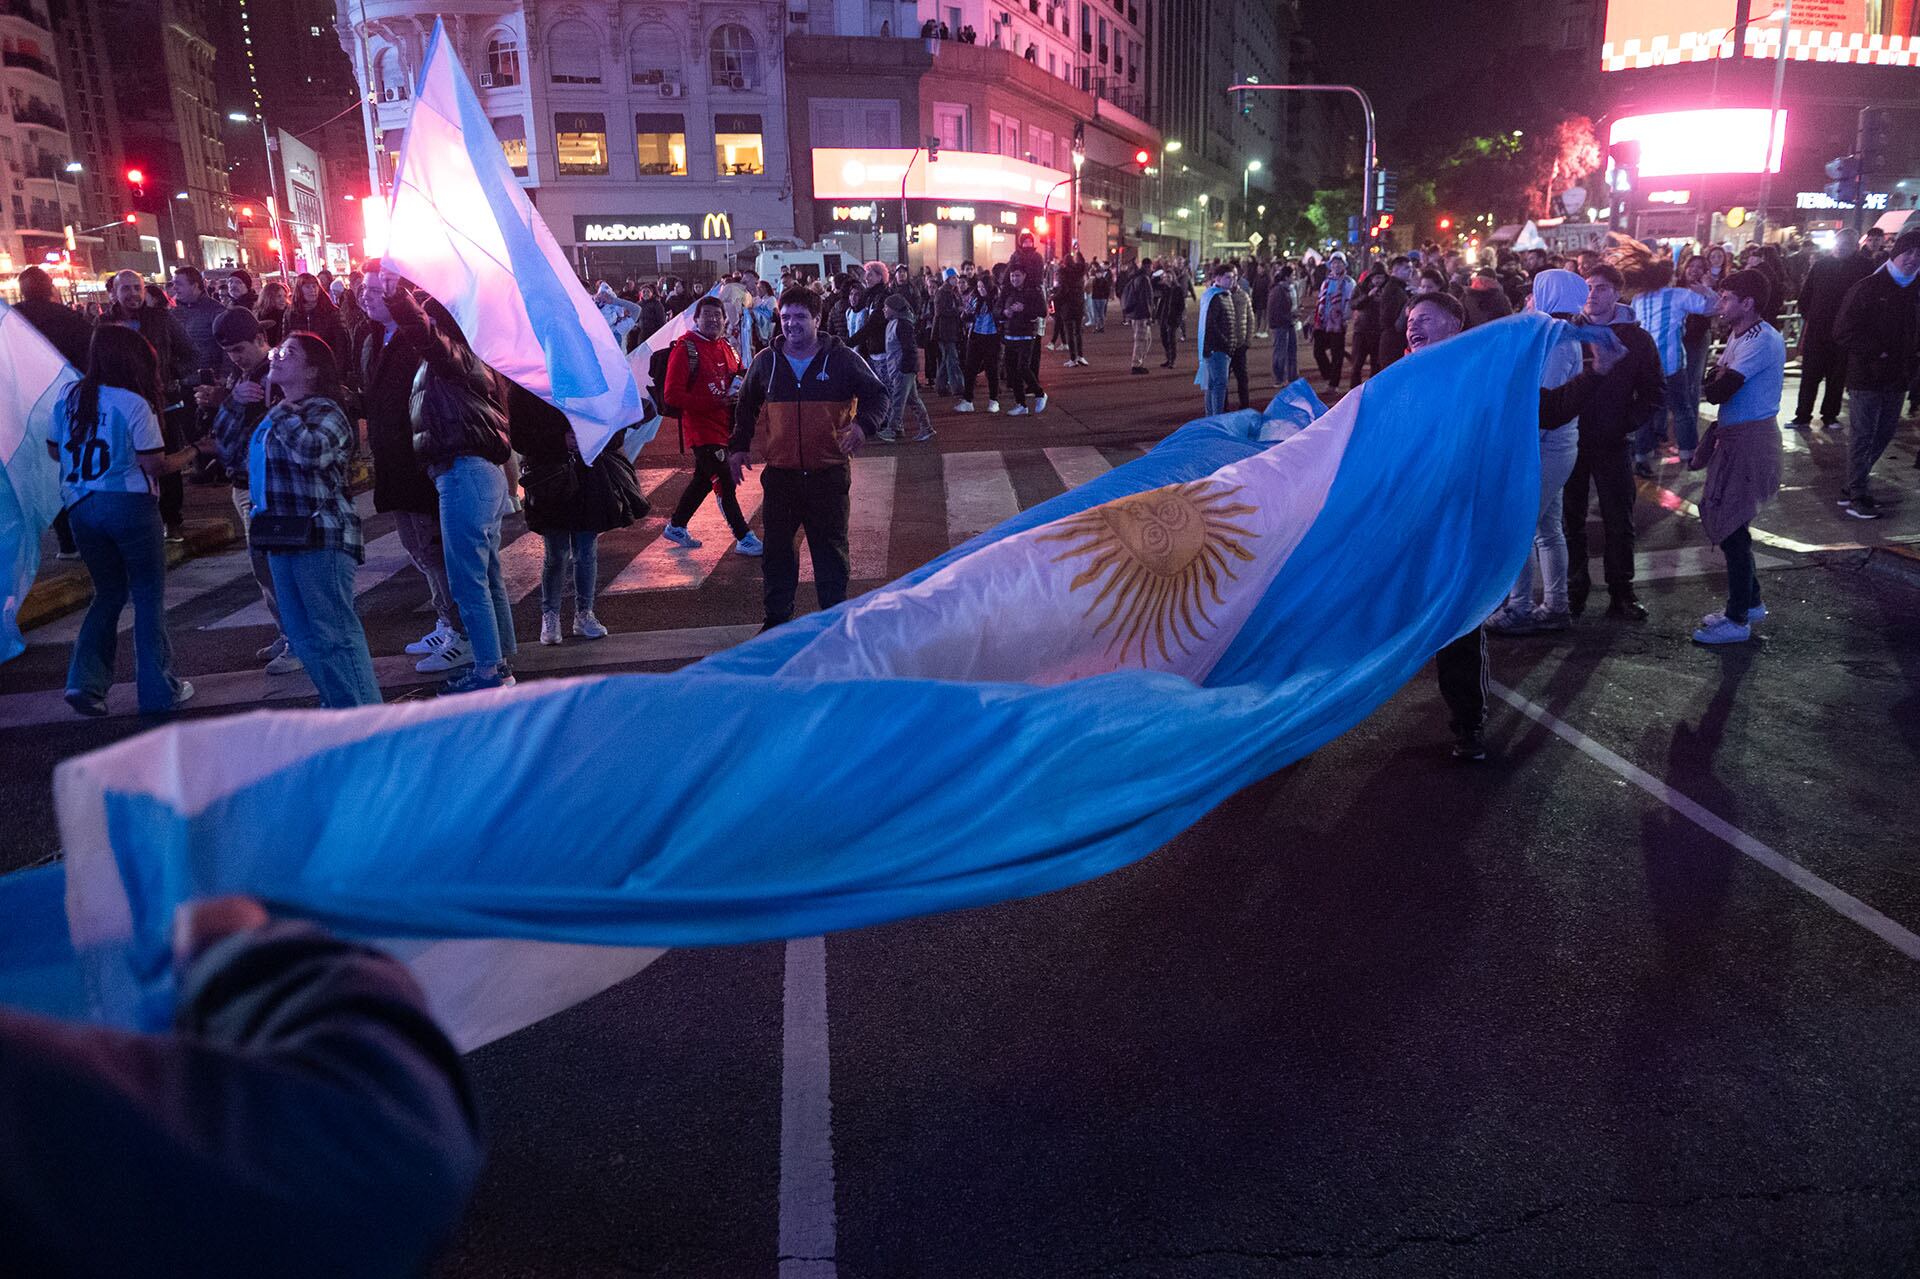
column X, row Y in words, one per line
column 1675, row 144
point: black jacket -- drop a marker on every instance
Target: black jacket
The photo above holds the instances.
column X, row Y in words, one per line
column 605, row 495
column 438, row 437
column 1623, row 399
column 66, row 328
column 1879, row 329
column 1828, row 281
column 1483, row 306
column 196, row 321
column 1020, row 312
column 387, row 369
column 305, row 1117
column 323, row 321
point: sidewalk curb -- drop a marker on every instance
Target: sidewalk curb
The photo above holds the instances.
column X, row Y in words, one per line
column 1900, row 563
column 53, row 597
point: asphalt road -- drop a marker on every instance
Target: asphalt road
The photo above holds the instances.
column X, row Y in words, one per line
column 1380, row 1014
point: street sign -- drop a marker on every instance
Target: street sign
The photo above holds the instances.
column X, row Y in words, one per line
column 1353, row 229
column 1255, row 239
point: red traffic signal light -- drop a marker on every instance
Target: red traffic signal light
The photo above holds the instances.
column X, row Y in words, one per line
column 1142, row 156
column 131, row 218
column 1446, row 224
column 136, row 178
column 246, row 210
column 1386, row 219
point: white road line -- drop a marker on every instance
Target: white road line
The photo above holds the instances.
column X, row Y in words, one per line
column 807, row 1225
column 1078, row 464
column 1672, row 501
column 1841, row 902
column 185, row 584
column 385, row 557
column 520, row 563
column 869, row 523
column 979, row 493
column 663, row 566
column 1683, row 561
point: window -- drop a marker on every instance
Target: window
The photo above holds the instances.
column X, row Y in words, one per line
column 661, row 145
column 732, row 59
column 580, row 137
column 950, row 125
column 1040, row 145
column 387, row 75
column 854, row 122
column 503, row 60
column 512, row 132
column 653, row 55
column 736, row 145
column 573, row 54
column 1003, row 135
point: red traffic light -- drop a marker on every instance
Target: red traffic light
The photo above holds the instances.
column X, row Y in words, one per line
column 1042, row 227
column 1446, row 224
column 131, row 218
column 136, row 178
column 1141, row 158
column 246, row 210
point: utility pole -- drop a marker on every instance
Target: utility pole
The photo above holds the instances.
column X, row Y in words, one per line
column 1366, row 107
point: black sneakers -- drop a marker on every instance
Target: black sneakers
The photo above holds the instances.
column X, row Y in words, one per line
column 1863, row 507
column 1470, row 744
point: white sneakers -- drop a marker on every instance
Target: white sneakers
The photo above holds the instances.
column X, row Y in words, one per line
column 585, row 626
column 285, row 664
column 993, row 406
column 1040, row 403
column 1018, row 410
column 427, row 643
column 451, row 652
column 680, row 537
column 964, row 406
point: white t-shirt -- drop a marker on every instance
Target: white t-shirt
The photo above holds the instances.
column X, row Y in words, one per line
column 1760, row 356
column 106, row 460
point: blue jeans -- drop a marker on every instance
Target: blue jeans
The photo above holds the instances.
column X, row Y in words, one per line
column 1559, row 449
column 119, row 539
column 1286, row 353
column 473, row 492
column 315, row 590
column 1872, row 418
column 947, row 374
column 1219, row 370
column 1681, row 407
column 1743, row 578
column 583, row 550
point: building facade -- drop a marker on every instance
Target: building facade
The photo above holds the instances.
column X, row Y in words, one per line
column 172, row 128
column 42, row 197
column 651, row 137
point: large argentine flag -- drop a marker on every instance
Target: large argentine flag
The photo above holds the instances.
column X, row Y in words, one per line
column 462, row 229
column 1074, row 687
column 33, row 376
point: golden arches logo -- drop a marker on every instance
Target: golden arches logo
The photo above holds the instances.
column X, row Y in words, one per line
column 716, row 226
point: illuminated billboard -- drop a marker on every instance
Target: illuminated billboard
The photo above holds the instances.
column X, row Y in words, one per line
column 1662, row 33
column 958, row 177
column 1684, row 144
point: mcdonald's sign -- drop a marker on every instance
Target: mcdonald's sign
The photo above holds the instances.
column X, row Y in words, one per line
column 630, row 228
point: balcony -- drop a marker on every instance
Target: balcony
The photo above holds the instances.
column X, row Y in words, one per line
column 32, row 62
column 38, row 112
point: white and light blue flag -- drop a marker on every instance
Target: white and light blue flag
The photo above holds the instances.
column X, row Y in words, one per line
column 461, row 228
column 33, row 377
column 1074, row 688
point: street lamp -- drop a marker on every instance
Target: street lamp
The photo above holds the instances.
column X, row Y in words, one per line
column 1203, row 226
column 273, row 186
column 74, row 166
column 1246, row 175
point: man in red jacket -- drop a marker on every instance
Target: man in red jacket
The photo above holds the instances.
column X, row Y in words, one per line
column 702, row 382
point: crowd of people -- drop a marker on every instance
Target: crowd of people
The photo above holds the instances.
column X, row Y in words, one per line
column 278, row 394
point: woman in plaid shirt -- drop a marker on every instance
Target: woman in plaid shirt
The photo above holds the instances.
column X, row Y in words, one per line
column 298, row 459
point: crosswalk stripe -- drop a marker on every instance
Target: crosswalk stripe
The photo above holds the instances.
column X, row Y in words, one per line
column 979, row 493
column 869, row 523
column 384, row 557
column 188, row 582
column 663, row 566
column 1077, row 464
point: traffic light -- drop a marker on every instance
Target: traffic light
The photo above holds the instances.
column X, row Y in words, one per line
column 1846, row 185
column 933, row 150
column 136, row 178
column 131, row 219
column 1141, row 159
column 1446, row 223
column 1386, row 220
column 1246, row 104
column 246, row 211
column 1874, row 144
column 1042, row 227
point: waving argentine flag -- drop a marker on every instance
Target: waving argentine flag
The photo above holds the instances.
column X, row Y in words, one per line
column 462, row 229
column 33, row 376
column 1076, row 686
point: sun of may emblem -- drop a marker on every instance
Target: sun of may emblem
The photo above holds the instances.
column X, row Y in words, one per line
column 1159, row 557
